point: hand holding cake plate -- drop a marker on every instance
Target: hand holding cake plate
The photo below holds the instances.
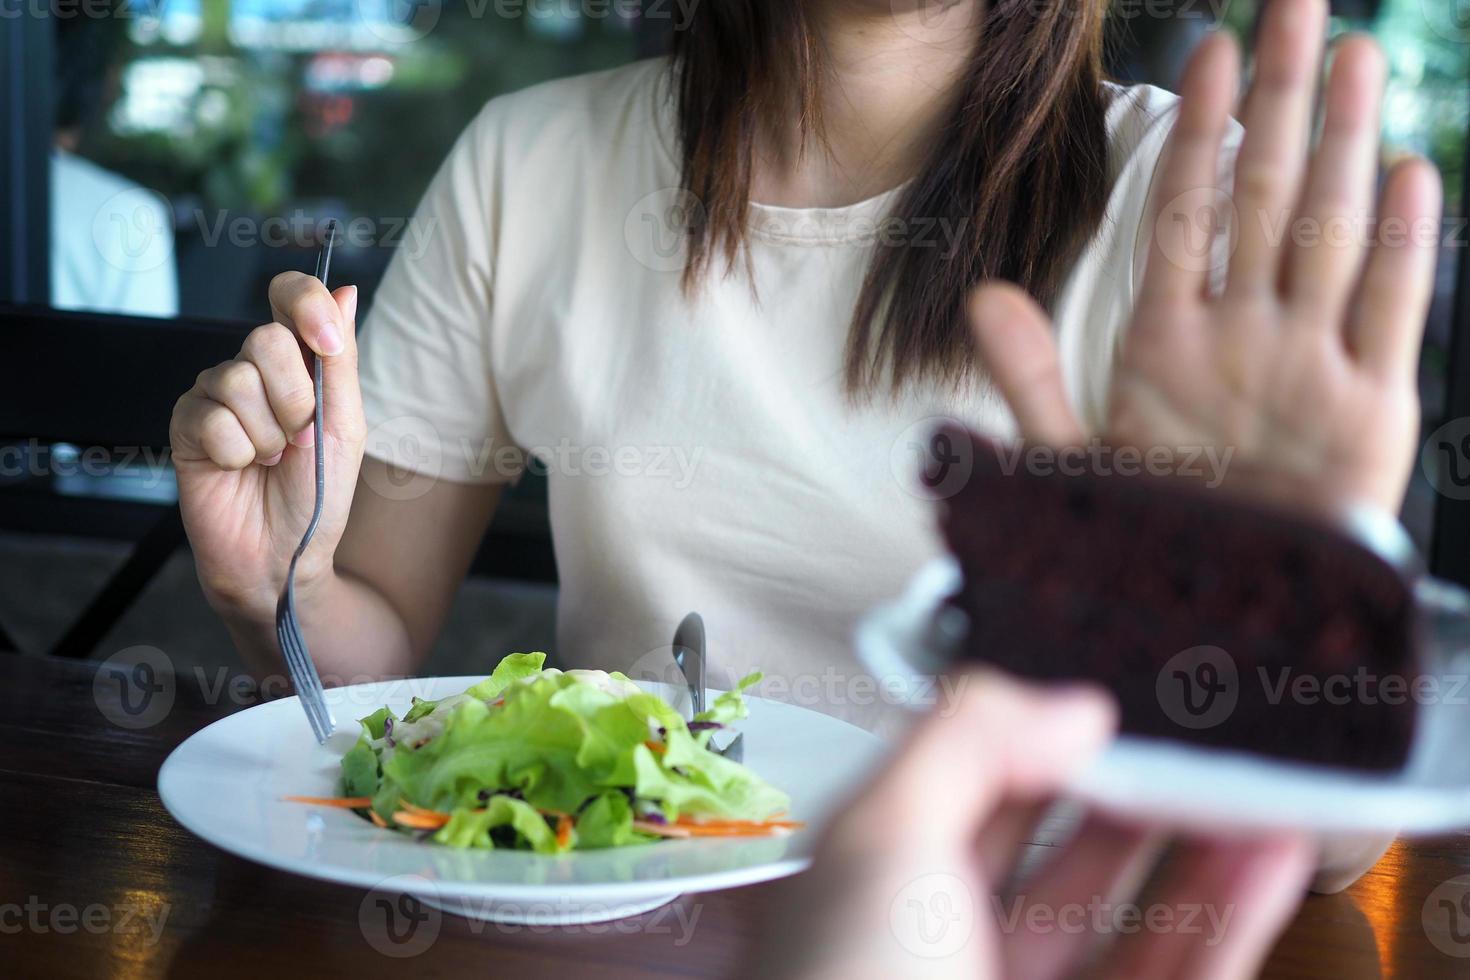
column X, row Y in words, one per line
column 1271, row 672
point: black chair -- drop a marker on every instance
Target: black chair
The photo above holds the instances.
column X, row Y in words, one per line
column 111, row 381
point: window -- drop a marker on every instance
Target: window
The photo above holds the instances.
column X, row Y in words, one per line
column 203, row 144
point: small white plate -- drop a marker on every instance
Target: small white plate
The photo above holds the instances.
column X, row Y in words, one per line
column 226, row 784
column 1168, row 781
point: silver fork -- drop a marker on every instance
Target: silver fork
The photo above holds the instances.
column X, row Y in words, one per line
column 304, row 677
column 689, row 656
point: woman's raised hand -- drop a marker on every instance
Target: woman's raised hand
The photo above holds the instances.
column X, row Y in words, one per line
column 1305, row 365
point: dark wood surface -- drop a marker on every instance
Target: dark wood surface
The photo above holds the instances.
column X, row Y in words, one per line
column 91, row 865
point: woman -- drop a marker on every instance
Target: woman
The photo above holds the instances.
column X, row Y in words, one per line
column 787, row 345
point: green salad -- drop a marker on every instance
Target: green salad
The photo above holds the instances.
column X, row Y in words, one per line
column 535, row 758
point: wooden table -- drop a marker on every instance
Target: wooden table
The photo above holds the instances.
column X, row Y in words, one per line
column 91, row 865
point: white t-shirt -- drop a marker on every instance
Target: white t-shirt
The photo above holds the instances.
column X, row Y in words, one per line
column 702, row 453
column 112, row 243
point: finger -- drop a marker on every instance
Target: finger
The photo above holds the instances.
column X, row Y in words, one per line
column 1017, row 348
column 276, row 354
column 1398, row 284
column 237, row 386
column 1016, row 743
column 341, row 394
column 203, row 430
column 1236, row 896
column 1190, row 205
column 303, row 303
column 1105, row 860
column 1323, row 270
column 1277, row 118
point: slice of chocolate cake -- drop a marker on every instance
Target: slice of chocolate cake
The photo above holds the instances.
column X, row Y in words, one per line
column 1212, row 620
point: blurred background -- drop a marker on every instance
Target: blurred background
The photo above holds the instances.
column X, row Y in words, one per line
column 187, row 151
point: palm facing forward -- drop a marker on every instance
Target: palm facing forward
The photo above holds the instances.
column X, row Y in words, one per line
column 1305, row 365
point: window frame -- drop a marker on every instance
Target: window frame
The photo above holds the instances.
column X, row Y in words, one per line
column 26, row 50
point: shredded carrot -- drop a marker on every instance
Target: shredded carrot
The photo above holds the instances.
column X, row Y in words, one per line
column 657, row 748
column 420, row 821
column 420, row 810
column 725, row 824
column 660, row 829
column 563, row 830
column 345, row 802
column 373, row 815
column 754, row 830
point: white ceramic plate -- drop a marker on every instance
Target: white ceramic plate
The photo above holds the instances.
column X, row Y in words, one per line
column 1212, row 788
column 226, row 784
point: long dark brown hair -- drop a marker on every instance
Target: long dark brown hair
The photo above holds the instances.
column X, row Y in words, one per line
column 1020, row 167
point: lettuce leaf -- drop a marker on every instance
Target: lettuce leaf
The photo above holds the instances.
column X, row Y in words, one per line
column 374, row 723
column 517, row 666
column 360, row 769
column 608, row 822
column 471, row 828
column 730, row 707
column 419, row 709
column 689, row 779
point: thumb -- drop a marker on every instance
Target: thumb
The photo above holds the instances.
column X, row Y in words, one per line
column 341, row 396
column 995, row 741
column 1018, row 349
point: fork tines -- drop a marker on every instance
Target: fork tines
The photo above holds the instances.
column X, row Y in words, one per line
column 304, row 676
